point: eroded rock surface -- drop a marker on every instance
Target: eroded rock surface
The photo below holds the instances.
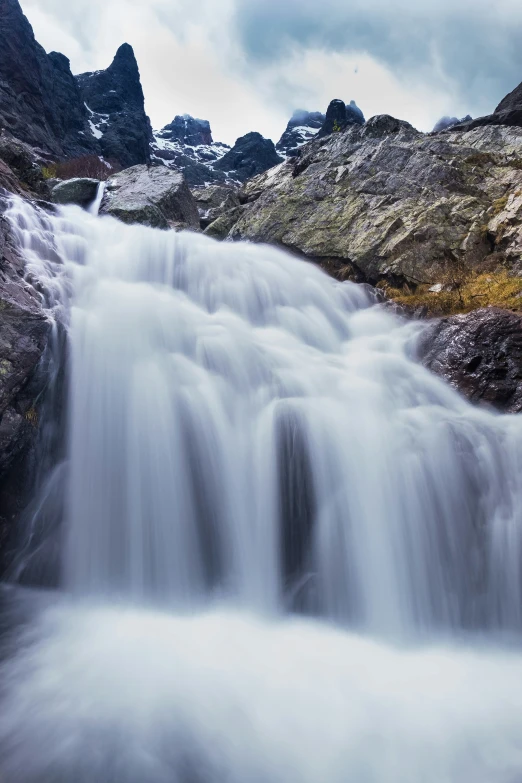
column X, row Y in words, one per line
column 80, row 190
column 388, row 202
column 154, row 196
column 479, row 353
column 24, row 331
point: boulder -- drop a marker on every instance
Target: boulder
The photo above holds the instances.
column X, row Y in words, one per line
column 154, row 196
column 385, row 202
column 480, row 354
column 81, row 191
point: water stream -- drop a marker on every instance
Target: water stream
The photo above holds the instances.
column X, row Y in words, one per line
column 288, row 552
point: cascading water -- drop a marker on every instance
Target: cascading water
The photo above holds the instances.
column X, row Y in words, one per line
column 249, row 439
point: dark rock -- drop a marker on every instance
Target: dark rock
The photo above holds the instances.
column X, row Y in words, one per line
column 39, row 100
column 339, row 117
column 188, row 130
column 221, row 227
column 508, row 112
column 214, row 201
column 480, row 354
column 251, row 154
column 512, row 101
column 24, row 163
column 186, row 145
column 117, row 109
column 448, row 122
column 24, row 332
column 154, row 196
column 81, row 191
column 302, row 127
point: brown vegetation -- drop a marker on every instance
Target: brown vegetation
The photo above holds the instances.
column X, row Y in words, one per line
column 87, row 166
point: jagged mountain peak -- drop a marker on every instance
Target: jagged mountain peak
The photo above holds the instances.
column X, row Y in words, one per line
column 302, row 127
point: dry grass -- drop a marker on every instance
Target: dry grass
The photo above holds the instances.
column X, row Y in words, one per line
column 493, row 289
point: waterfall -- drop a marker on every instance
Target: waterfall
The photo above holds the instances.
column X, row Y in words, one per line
column 250, row 441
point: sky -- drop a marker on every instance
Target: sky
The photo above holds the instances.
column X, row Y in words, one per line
column 248, row 64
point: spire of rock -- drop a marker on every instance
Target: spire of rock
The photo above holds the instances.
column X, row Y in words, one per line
column 339, row 117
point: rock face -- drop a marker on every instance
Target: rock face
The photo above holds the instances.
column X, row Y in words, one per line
column 116, row 106
column 40, row 102
column 154, row 196
column 302, row 127
column 449, row 122
column 214, row 201
column 479, row 353
column 508, row 112
column 250, row 155
column 383, row 201
column 79, row 191
column 24, row 331
column 339, row 117
column 187, row 145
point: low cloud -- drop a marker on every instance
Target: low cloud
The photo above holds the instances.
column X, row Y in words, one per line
column 247, row 64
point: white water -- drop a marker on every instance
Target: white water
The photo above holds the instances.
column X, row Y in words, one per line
column 249, row 437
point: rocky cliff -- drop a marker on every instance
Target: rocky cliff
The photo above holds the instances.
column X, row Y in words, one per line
column 302, row 127
column 384, row 202
column 24, row 332
column 40, row 102
column 116, row 106
column 186, row 145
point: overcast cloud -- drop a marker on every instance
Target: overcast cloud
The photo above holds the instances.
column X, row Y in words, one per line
column 247, row 64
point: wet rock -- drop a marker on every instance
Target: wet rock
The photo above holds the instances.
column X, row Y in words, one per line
column 220, row 227
column 25, row 164
column 154, row 196
column 214, row 201
column 24, row 331
column 394, row 204
column 480, row 354
column 81, row 191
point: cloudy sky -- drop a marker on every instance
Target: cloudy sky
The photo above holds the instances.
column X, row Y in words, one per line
column 247, row 64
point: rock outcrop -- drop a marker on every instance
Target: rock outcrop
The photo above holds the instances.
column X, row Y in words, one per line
column 116, row 105
column 40, row 102
column 250, row 155
column 214, row 201
column 154, row 196
column 383, row 201
column 508, row 112
column 340, row 116
column 80, row 190
column 302, row 127
column 186, row 144
column 479, row 353
column 24, row 332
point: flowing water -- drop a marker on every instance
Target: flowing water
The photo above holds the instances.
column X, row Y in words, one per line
column 288, row 552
